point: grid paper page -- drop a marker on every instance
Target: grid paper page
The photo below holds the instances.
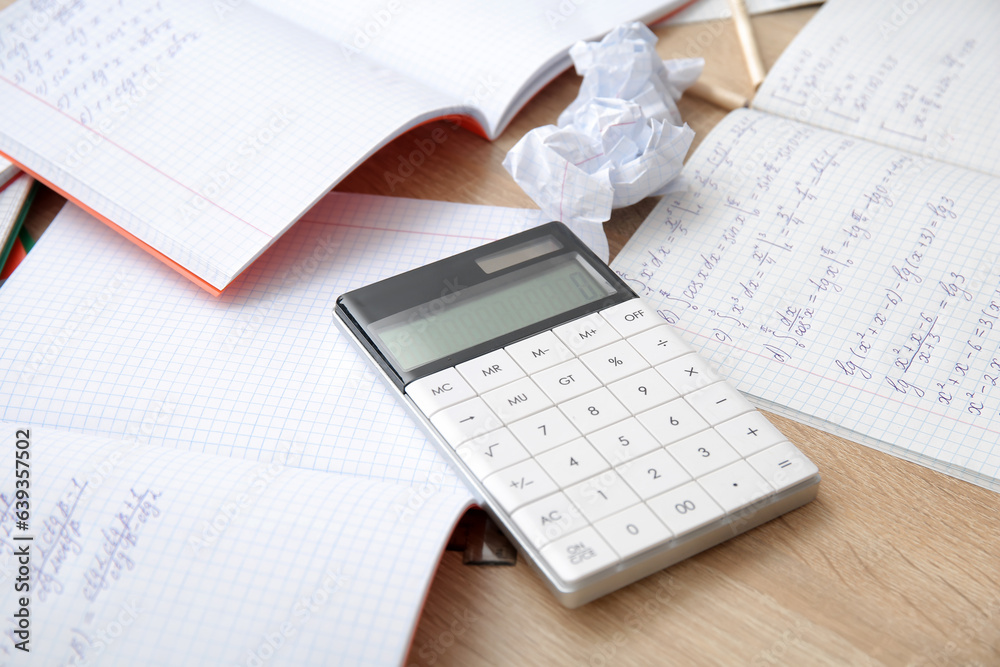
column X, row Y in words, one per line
column 840, row 282
column 98, row 338
column 486, row 55
column 919, row 76
column 151, row 556
column 203, row 133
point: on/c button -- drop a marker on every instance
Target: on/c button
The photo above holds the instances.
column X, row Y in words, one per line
column 441, row 390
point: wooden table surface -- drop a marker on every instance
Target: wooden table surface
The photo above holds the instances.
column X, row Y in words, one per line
column 893, row 564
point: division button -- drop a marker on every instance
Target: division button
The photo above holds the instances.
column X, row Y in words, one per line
column 660, row 344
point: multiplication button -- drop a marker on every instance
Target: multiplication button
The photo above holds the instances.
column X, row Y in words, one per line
column 439, row 391
column 579, row 555
column 688, row 373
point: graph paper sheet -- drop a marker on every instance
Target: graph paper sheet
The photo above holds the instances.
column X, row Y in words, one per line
column 97, row 338
column 7, row 172
column 849, row 285
column 152, row 556
column 204, row 130
column 714, row 10
column 919, row 76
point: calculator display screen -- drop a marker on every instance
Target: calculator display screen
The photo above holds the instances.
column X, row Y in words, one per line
column 467, row 317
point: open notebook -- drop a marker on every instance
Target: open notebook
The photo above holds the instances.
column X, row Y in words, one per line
column 836, row 252
column 202, row 131
column 99, row 341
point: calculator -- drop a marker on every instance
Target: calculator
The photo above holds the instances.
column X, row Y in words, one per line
column 598, row 440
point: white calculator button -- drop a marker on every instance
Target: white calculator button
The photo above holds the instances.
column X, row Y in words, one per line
column 631, row 317
column 579, row 555
column 703, row 452
column 602, row 495
column 490, row 371
column 587, row 333
column 539, row 352
column 783, row 465
column 623, row 441
column 566, row 381
column 465, row 421
column 594, row 411
column 719, row 402
column 690, row 372
column 736, row 486
column 491, row 452
column 614, row 362
column 519, row 484
column 750, row 433
column 543, row 431
column 672, row 421
column 549, row 519
column 643, row 391
column 686, row 508
column 660, row 344
column 653, row 474
column 439, row 391
column 633, row 531
column 573, row 462
column 517, row 400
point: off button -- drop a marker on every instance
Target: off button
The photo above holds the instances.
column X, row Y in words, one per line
column 631, row 317
column 439, row 391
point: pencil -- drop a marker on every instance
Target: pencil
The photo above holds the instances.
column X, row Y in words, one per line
column 741, row 18
column 720, row 97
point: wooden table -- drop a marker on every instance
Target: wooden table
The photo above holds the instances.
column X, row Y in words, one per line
column 893, row 564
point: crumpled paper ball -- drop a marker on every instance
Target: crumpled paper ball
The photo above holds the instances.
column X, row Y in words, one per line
column 619, row 141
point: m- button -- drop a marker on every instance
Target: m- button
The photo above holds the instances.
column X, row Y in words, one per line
column 439, row 391
column 490, row 371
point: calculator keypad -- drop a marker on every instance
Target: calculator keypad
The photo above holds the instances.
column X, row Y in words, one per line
column 608, row 436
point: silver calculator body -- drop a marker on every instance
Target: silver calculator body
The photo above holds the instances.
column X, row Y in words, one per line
column 601, row 443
